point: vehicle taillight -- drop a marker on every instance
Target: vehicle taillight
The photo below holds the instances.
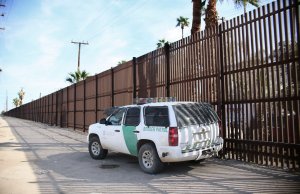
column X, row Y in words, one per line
column 173, row 136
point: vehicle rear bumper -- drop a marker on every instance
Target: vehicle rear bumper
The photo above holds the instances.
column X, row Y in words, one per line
column 175, row 154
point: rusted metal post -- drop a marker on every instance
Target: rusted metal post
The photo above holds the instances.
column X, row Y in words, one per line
column 52, row 108
column 167, row 55
column 48, row 109
column 112, row 88
column 221, row 98
column 134, row 77
column 74, row 110
column 61, row 107
column 96, row 97
column 56, row 112
column 84, row 104
column 67, row 120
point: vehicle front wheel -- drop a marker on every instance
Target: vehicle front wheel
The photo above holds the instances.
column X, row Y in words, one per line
column 95, row 149
column 149, row 160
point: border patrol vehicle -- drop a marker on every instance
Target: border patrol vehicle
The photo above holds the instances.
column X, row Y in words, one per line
column 158, row 133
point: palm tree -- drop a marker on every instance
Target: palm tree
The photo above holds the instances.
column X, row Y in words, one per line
column 77, row 76
column 161, row 43
column 182, row 22
column 198, row 10
column 21, row 95
column 211, row 14
column 240, row 3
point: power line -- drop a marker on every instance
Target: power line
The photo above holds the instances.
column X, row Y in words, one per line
column 2, row 14
column 8, row 6
column 79, row 47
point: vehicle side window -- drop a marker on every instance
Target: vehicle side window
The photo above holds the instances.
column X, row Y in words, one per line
column 116, row 117
column 132, row 117
column 156, row 116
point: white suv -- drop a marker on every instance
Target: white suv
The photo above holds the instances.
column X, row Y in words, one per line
column 158, row 133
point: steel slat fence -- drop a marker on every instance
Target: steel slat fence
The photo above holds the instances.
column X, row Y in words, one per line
column 247, row 67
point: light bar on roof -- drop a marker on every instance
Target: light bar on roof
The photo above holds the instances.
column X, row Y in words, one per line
column 153, row 100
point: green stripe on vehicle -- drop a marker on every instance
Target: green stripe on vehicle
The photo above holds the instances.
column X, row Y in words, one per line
column 130, row 139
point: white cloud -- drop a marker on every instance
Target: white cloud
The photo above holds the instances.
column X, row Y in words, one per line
column 50, row 50
column 174, row 34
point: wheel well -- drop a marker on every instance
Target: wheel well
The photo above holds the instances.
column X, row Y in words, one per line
column 93, row 135
column 144, row 141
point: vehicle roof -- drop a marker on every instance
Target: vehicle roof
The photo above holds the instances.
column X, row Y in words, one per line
column 161, row 104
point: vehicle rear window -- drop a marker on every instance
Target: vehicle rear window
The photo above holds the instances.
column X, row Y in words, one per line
column 157, row 116
column 194, row 114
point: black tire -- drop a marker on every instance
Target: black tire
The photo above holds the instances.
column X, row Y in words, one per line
column 95, row 149
column 197, row 161
column 149, row 160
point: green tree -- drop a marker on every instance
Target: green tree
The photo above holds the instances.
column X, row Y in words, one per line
column 121, row 62
column 77, row 76
column 198, row 11
column 16, row 102
column 182, row 22
column 161, row 43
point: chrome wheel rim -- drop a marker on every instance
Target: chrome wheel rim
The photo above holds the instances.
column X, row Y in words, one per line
column 95, row 148
column 147, row 159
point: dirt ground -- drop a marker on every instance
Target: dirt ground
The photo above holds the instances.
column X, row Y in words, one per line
column 37, row 158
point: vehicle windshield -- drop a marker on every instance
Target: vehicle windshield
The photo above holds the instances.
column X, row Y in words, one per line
column 194, row 114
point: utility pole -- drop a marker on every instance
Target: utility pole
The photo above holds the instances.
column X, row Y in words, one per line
column 79, row 47
column 6, row 102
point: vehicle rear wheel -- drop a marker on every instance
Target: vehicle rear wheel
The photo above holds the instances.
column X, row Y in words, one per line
column 149, row 160
column 95, row 149
column 197, row 161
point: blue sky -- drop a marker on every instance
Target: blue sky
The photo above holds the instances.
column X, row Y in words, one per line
column 36, row 53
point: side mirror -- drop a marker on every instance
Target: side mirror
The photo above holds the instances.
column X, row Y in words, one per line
column 102, row 121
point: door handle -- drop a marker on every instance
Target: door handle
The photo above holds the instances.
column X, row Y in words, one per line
column 117, row 130
column 135, row 131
